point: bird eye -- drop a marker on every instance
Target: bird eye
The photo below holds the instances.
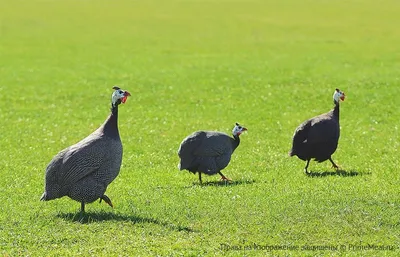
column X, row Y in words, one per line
column 120, row 92
column 240, row 127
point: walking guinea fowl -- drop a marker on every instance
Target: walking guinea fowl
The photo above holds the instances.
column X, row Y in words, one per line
column 208, row 152
column 318, row 137
column 84, row 170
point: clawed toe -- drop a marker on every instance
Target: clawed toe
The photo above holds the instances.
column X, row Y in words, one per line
column 334, row 164
column 107, row 200
column 223, row 178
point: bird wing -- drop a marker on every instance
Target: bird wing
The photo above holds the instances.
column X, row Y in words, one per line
column 191, row 143
column 78, row 161
column 323, row 129
column 301, row 133
column 214, row 144
column 223, row 160
column 188, row 147
column 317, row 129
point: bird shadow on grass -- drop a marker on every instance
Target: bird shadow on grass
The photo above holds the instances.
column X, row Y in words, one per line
column 340, row 173
column 222, row 183
column 92, row 217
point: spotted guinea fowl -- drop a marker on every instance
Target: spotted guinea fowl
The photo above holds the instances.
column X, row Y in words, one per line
column 317, row 138
column 208, row 152
column 84, row 170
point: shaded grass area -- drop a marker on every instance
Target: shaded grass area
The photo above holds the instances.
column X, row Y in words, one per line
column 193, row 65
column 106, row 216
column 342, row 173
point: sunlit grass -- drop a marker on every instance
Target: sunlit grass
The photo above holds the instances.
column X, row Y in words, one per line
column 193, row 65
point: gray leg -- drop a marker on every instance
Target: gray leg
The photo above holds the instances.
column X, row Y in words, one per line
column 107, row 200
column 306, row 167
column 201, row 182
column 223, row 176
column 333, row 164
column 82, row 207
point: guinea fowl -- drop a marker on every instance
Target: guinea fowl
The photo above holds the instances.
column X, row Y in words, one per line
column 317, row 138
column 208, row 152
column 84, row 170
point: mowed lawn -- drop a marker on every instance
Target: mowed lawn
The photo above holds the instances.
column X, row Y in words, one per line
column 193, row 65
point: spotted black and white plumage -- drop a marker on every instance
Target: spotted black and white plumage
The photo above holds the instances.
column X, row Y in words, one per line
column 208, row 152
column 317, row 138
column 84, row 170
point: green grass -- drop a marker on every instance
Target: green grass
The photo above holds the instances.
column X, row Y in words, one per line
column 193, row 65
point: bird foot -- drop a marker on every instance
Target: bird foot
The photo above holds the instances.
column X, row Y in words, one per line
column 107, row 200
column 223, row 178
column 335, row 167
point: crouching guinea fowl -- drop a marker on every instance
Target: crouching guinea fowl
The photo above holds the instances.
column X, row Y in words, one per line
column 84, row 170
column 208, row 152
column 317, row 138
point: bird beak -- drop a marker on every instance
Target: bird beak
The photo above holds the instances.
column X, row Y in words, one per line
column 243, row 130
column 126, row 94
column 342, row 97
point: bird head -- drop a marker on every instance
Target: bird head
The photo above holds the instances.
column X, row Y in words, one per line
column 119, row 96
column 237, row 130
column 338, row 95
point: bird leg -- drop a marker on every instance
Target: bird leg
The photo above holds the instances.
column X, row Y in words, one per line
column 107, row 200
column 306, row 167
column 334, row 164
column 201, row 182
column 223, row 178
column 82, row 207
column 82, row 213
